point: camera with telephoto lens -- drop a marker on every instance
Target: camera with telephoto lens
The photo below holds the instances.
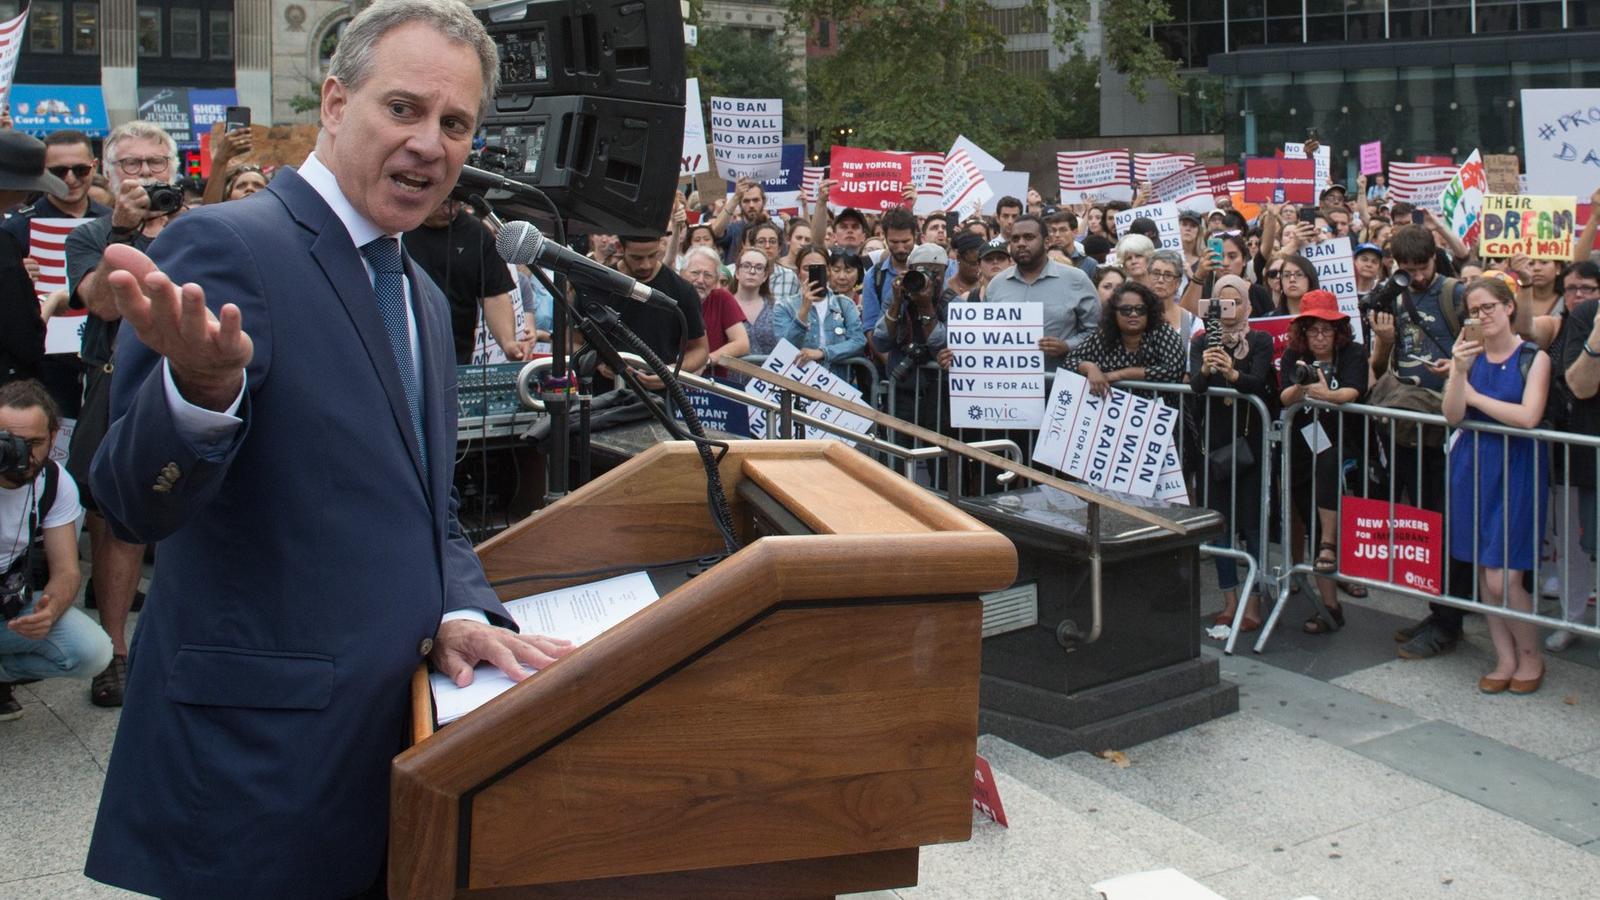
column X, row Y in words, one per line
column 15, row 458
column 164, row 198
column 912, row 355
column 1305, row 374
column 914, row 281
column 1381, row 298
column 14, row 592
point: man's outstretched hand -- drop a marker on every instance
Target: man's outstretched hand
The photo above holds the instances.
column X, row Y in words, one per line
column 207, row 352
column 463, row 643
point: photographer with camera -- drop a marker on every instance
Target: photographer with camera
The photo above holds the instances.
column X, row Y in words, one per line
column 141, row 160
column 1323, row 362
column 44, row 635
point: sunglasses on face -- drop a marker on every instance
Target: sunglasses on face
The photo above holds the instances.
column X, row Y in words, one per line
column 1274, row 273
column 1131, row 311
column 79, row 171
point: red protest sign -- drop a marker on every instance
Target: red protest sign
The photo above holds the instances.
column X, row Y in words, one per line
column 985, row 793
column 1371, row 533
column 1277, row 328
column 869, row 179
column 1274, row 180
column 1435, row 160
column 1220, row 176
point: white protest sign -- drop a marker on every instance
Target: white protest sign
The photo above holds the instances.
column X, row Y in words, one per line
column 1165, row 215
column 1118, row 442
column 1170, row 487
column 997, row 368
column 785, row 360
column 965, row 190
column 1187, row 188
column 693, row 161
column 1422, row 184
column 11, row 32
column 747, row 137
column 47, row 243
column 1156, row 166
column 927, row 176
column 1005, row 184
column 1323, row 159
column 1561, row 141
column 980, row 156
column 1094, row 176
column 1335, row 264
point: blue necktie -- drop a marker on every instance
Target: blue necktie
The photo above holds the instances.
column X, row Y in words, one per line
column 388, row 283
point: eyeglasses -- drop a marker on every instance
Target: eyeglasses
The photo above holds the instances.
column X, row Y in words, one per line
column 1132, row 311
column 1585, row 289
column 130, row 165
column 766, row 242
column 1294, row 274
column 1482, row 310
column 79, row 171
column 1320, row 330
column 759, row 268
column 1163, row 276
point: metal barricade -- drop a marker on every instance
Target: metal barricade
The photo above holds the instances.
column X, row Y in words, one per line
column 1419, row 474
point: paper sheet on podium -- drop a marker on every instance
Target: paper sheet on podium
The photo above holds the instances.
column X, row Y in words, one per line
column 579, row 614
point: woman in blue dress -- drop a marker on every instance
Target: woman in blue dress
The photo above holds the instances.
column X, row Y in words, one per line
column 1493, row 518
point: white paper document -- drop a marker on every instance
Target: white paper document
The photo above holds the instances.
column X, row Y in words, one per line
column 579, row 614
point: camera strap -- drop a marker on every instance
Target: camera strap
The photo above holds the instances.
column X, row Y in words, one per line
column 45, row 500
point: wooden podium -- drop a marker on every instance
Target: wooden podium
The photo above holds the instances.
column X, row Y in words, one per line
column 792, row 723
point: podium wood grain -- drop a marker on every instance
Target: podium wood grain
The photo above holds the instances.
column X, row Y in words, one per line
column 800, row 718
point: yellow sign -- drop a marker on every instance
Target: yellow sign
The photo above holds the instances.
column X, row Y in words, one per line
column 1536, row 227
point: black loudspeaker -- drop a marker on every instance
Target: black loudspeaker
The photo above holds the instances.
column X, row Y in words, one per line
column 590, row 111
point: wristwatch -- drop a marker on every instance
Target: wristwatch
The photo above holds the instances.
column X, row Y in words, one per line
column 1588, row 351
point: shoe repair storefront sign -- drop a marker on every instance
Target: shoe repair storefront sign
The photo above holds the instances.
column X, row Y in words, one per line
column 1373, row 534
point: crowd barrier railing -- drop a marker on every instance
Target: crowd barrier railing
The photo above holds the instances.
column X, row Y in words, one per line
column 1373, row 461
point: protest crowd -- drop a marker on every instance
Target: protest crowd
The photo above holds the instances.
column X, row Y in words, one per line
column 1218, row 313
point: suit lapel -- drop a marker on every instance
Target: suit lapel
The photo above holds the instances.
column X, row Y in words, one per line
column 340, row 261
column 438, row 361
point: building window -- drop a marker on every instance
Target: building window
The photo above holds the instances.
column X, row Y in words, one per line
column 44, row 28
column 1028, row 62
column 221, row 35
column 329, row 42
column 824, row 33
column 86, row 28
column 150, row 32
column 9, row 10
column 186, row 33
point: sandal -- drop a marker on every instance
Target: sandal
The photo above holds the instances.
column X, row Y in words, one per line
column 106, row 688
column 1357, row 591
column 1327, row 562
column 1328, row 621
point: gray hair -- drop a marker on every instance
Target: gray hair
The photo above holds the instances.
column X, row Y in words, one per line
column 701, row 250
column 1169, row 256
column 1134, row 245
column 352, row 61
column 137, row 129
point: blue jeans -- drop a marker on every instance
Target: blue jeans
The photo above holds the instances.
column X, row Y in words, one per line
column 76, row 647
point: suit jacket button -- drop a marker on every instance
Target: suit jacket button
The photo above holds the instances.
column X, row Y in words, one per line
column 425, row 647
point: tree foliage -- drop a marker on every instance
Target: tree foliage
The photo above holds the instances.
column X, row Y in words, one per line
column 1126, row 42
column 912, row 74
column 1074, row 100
column 734, row 63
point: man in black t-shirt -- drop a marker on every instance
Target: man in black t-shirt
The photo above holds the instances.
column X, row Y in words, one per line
column 454, row 248
column 658, row 328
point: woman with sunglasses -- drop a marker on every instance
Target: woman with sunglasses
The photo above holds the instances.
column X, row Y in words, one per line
column 1322, row 362
column 1133, row 343
column 1497, row 483
column 750, row 279
column 1238, row 358
column 1295, row 278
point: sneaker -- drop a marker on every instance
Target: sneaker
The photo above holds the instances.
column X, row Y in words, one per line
column 1401, row 635
column 1552, row 587
column 1428, row 642
column 1558, row 641
column 9, row 707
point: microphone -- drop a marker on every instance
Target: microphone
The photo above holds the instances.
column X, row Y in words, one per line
column 520, row 243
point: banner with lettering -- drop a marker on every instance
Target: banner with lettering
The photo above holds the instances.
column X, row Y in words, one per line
column 1323, row 159
column 872, row 180
column 1372, row 158
column 927, row 176
column 1372, row 534
column 1535, row 226
column 11, row 34
column 1116, row 442
column 1336, row 272
column 1221, row 177
column 1271, row 179
column 47, row 243
column 1094, row 176
column 747, row 137
column 1561, row 140
column 965, row 190
column 783, row 189
column 1462, row 201
column 1165, row 215
column 694, row 159
column 1420, row 184
column 1153, row 167
column 1187, row 188
column 811, row 177
column 997, row 368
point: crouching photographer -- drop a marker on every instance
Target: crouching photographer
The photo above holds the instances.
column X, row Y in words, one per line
column 44, row 636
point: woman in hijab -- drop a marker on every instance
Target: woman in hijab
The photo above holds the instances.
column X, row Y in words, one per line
column 1228, row 354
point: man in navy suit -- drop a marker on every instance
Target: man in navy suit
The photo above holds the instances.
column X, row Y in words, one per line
column 284, row 425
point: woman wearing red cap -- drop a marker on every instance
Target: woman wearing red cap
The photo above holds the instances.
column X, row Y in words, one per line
column 1323, row 362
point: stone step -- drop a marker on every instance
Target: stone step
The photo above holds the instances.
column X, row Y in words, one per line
column 1170, row 843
